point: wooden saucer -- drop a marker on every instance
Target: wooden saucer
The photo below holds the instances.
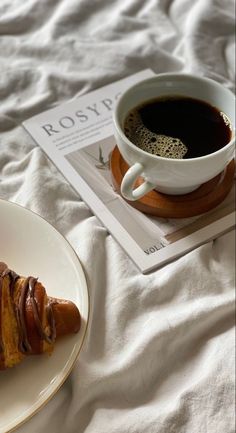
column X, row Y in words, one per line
column 205, row 198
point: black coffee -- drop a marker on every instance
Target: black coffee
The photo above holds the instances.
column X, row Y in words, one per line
column 178, row 127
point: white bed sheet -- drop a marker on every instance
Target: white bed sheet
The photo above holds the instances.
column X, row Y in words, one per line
column 159, row 352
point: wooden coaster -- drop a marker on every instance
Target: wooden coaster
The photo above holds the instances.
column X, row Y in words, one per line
column 205, row 198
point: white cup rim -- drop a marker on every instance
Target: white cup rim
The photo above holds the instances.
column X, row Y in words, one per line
column 169, row 76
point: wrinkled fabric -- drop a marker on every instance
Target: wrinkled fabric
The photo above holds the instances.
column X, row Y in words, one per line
column 159, row 351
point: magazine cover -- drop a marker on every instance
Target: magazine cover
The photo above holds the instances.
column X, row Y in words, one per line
column 78, row 138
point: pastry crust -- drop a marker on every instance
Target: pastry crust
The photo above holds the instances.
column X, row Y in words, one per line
column 30, row 321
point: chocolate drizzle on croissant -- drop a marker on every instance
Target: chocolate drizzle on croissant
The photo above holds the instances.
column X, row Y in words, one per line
column 29, row 290
column 30, row 321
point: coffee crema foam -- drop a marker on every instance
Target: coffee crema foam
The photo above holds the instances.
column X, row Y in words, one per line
column 156, row 144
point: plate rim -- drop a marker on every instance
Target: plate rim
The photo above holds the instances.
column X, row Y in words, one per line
column 62, row 381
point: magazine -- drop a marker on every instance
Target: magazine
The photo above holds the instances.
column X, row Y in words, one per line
column 78, row 137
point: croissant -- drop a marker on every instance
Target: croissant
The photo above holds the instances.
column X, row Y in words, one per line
column 30, row 321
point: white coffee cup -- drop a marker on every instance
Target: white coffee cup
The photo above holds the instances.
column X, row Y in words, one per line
column 171, row 176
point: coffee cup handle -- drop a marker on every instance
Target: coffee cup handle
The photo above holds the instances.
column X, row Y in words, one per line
column 129, row 180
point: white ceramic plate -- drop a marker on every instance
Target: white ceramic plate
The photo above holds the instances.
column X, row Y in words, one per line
column 31, row 246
